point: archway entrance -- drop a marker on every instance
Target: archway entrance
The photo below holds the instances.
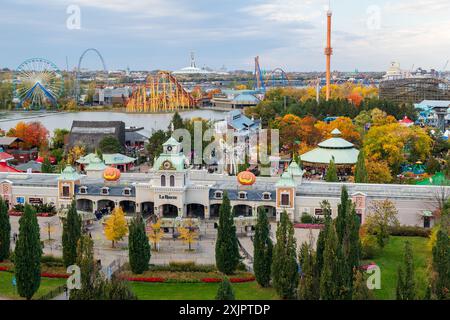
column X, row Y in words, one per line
column 195, row 210
column 85, row 205
column 169, row 211
column 147, row 208
column 214, row 211
column 242, row 210
column 128, row 206
column 106, row 206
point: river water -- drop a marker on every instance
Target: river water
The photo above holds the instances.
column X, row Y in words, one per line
column 52, row 120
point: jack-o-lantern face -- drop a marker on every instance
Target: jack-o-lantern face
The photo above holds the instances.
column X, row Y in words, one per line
column 111, row 174
column 246, row 178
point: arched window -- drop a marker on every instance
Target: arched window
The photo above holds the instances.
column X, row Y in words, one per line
column 172, row 181
column 163, row 181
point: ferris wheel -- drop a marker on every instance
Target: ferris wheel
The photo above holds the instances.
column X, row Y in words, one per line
column 37, row 83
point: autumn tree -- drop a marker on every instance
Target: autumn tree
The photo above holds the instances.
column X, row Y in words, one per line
column 378, row 172
column 284, row 263
column 27, row 254
column 5, row 231
column 75, row 153
column 382, row 215
column 33, row 134
column 116, row 226
column 262, row 248
column 345, row 125
column 156, row 233
column 188, row 232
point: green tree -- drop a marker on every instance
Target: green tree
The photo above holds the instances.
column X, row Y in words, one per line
column 27, row 254
column 263, row 248
column 109, row 144
column 441, row 266
column 46, row 166
column 227, row 248
column 138, row 246
column 225, row 291
column 360, row 290
column 5, row 231
column 320, row 246
column 382, row 215
column 59, row 138
column 71, row 235
column 406, row 285
column 331, row 175
column 361, row 175
column 284, row 264
column 177, row 122
column 308, row 288
column 155, row 144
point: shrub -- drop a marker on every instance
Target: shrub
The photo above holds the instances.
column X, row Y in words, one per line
column 408, row 231
column 188, row 266
column 306, row 218
column 369, row 247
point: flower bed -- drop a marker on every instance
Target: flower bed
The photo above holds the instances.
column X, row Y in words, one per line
column 368, row 266
column 42, row 214
column 15, row 213
column 144, row 279
column 4, row 268
column 308, row 226
column 43, row 274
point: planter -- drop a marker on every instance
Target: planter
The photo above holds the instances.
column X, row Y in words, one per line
column 308, row 226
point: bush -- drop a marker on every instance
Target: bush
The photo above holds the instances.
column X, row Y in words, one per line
column 369, row 247
column 306, row 218
column 52, row 261
column 188, row 266
column 408, row 231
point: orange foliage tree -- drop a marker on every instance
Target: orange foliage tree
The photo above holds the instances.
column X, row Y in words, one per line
column 34, row 134
column 345, row 125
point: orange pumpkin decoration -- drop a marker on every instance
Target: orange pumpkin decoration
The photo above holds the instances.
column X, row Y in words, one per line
column 246, row 178
column 111, row 174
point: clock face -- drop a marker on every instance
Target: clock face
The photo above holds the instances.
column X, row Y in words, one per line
column 167, row 165
column 169, row 148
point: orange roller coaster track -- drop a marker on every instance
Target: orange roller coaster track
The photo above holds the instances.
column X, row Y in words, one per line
column 161, row 93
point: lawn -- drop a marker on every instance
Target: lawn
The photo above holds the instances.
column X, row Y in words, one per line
column 8, row 291
column 392, row 256
column 198, row 291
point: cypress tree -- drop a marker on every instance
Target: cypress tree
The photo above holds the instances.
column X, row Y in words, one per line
column 227, row 249
column 320, row 246
column 225, row 291
column 138, row 246
column 46, row 166
column 360, row 169
column 331, row 175
column 284, row 264
column 71, row 234
column 308, row 284
column 341, row 219
column 441, row 266
column 360, row 290
column 5, row 231
column 330, row 279
column 28, row 252
column 88, row 270
column 263, row 248
column 406, row 285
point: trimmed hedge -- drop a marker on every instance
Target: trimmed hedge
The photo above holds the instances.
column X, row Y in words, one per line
column 408, row 231
column 188, row 266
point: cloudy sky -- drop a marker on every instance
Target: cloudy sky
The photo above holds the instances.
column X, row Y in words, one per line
column 159, row 34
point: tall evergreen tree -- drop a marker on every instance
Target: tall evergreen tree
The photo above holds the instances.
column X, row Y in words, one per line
column 331, row 276
column 284, row 264
column 225, row 291
column 320, row 246
column 263, row 247
column 361, row 175
column 46, row 166
column 331, row 175
column 343, row 210
column 360, row 290
column 138, row 246
column 5, row 231
column 71, row 234
column 441, row 266
column 406, row 285
column 308, row 288
column 227, row 248
column 177, row 122
column 28, row 252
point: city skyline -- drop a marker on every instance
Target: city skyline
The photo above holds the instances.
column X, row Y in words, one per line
column 156, row 34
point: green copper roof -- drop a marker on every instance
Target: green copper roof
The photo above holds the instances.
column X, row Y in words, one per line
column 171, row 142
column 177, row 162
column 87, row 158
column 336, row 143
column 294, row 169
column 117, row 158
column 69, row 174
column 96, row 164
column 286, row 180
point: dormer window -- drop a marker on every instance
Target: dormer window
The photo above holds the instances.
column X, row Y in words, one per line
column 83, row 190
column 242, row 195
column 218, row 194
column 105, row 190
column 267, row 196
column 126, row 191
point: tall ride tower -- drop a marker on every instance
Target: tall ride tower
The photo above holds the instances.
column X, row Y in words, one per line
column 328, row 53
